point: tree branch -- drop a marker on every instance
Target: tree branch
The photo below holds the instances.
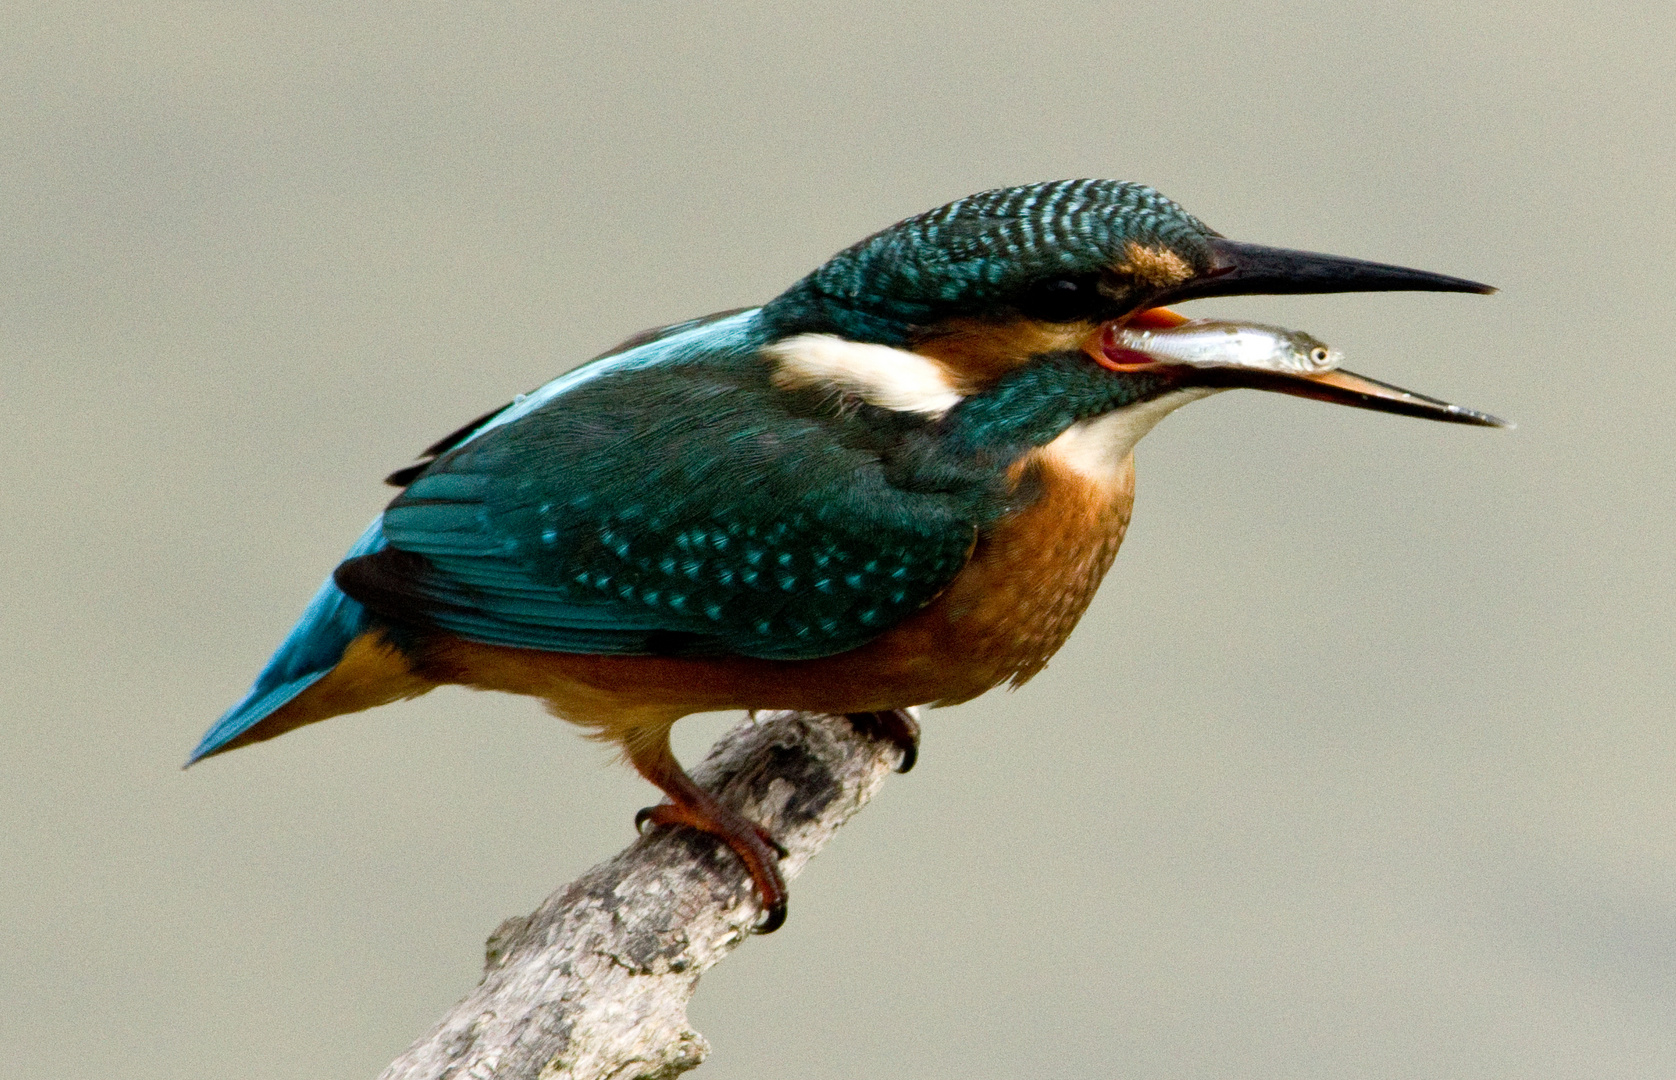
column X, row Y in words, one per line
column 595, row 983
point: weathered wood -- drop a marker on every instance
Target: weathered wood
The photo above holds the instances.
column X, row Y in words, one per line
column 595, row 982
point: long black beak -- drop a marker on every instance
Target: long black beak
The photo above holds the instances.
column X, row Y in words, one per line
column 1241, row 269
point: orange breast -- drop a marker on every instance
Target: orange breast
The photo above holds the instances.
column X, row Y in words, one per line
column 1027, row 583
column 1031, row 579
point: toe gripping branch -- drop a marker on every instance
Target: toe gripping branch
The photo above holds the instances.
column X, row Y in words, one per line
column 759, row 851
column 692, row 806
column 696, row 808
column 895, row 726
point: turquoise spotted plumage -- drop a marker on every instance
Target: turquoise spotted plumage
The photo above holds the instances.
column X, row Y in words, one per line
column 765, row 524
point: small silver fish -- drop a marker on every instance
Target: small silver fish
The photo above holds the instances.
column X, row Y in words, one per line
column 1216, row 343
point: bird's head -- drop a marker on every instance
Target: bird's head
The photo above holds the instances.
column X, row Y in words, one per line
column 1006, row 301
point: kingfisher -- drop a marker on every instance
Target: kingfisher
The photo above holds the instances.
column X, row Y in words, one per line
column 897, row 483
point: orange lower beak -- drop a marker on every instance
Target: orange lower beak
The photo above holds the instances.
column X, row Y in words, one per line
column 1347, row 388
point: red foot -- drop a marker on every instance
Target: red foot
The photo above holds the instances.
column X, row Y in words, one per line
column 751, row 842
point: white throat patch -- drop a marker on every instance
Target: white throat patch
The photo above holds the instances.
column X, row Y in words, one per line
column 1095, row 448
column 894, row 379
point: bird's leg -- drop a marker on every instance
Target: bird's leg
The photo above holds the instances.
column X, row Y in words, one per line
column 691, row 805
column 896, row 726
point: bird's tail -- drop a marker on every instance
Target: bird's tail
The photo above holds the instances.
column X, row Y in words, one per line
column 330, row 624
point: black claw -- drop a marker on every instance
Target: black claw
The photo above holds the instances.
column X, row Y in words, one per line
column 773, row 917
column 895, row 726
column 640, row 818
column 910, row 755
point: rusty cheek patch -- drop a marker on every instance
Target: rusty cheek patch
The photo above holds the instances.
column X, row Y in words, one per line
column 1155, row 266
column 976, row 352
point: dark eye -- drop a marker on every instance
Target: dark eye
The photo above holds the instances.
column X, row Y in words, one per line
column 1060, row 299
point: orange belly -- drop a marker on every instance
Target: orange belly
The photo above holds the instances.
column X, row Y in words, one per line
column 1013, row 605
column 1010, row 608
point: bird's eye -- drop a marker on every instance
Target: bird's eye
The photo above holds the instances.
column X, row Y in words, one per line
column 1059, row 299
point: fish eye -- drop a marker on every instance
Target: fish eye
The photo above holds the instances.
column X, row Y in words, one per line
column 1318, row 354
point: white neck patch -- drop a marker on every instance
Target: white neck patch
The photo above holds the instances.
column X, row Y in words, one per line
column 1096, row 448
column 894, row 379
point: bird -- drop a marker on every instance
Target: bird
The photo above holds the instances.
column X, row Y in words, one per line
column 897, row 483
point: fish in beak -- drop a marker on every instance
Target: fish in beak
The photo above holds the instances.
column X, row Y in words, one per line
column 1225, row 355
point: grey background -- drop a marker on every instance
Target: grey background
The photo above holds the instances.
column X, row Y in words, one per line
column 1360, row 766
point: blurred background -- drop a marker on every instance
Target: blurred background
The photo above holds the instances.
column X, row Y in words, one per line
column 1361, row 765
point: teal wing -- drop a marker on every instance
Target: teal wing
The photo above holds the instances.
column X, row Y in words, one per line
column 699, row 332
column 671, row 507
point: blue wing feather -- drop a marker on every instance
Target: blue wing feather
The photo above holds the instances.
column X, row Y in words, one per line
column 313, row 647
column 671, row 499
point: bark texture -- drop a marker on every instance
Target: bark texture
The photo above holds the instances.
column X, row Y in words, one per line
column 595, row 982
